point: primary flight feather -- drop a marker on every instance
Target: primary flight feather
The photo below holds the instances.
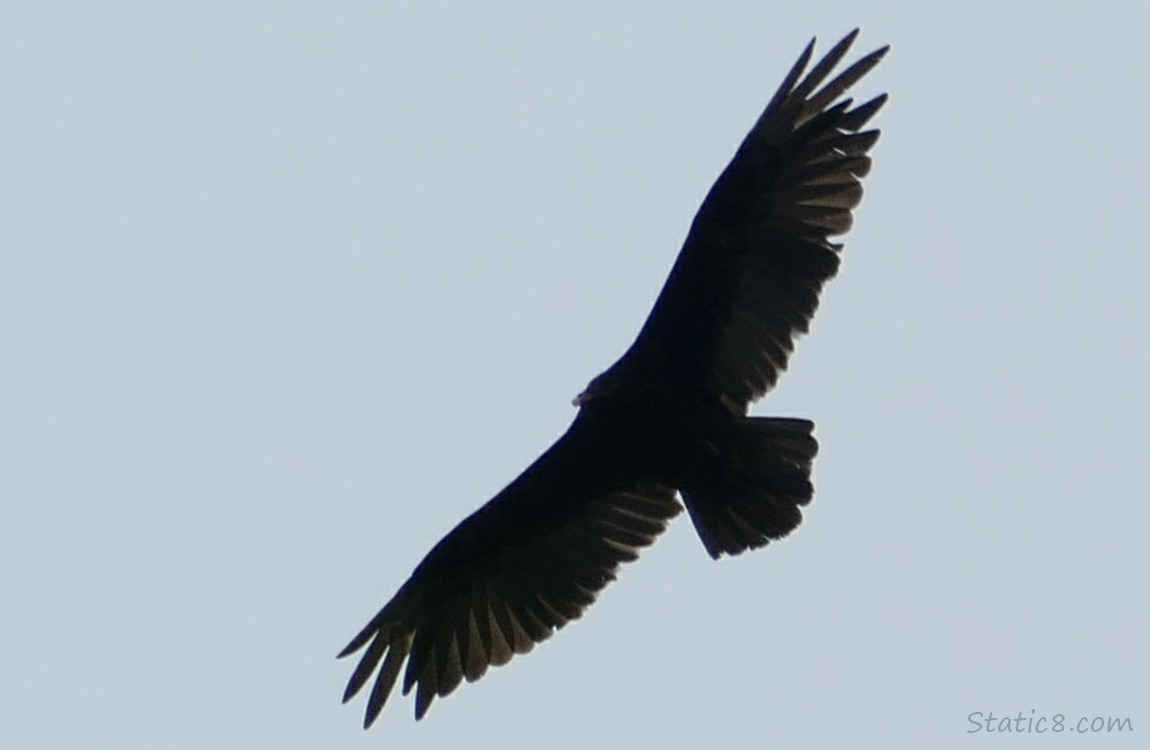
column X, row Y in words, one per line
column 667, row 421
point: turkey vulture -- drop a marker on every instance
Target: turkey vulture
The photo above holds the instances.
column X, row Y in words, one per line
column 668, row 420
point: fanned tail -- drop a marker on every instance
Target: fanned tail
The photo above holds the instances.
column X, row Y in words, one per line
column 764, row 483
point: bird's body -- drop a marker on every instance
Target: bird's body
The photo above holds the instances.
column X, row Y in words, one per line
column 668, row 420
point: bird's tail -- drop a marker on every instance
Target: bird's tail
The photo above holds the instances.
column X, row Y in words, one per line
column 763, row 482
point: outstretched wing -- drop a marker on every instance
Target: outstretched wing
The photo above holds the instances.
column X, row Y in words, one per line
column 747, row 280
column 513, row 572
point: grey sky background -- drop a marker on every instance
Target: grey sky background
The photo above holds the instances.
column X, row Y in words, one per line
column 288, row 289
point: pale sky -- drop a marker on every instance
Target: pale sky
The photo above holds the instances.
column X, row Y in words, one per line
column 288, row 289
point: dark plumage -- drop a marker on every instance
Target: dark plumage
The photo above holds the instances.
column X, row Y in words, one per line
column 670, row 417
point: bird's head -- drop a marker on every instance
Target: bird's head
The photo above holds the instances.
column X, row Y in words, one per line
column 586, row 395
column 599, row 386
column 617, row 381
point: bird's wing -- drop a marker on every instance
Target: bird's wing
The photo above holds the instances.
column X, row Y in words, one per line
column 517, row 569
column 747, row 280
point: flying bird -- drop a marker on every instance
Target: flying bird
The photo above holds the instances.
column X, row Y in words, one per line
column 664, row 427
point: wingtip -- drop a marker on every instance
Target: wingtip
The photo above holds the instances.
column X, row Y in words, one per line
column 424, row 695
column 350, row 691
column 369, row 719
column 361, row 638
column 847, row 41
column 842, row 46
column 801, row 64
column 880, row 53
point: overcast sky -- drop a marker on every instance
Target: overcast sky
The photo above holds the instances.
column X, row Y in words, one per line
column 287, row 289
